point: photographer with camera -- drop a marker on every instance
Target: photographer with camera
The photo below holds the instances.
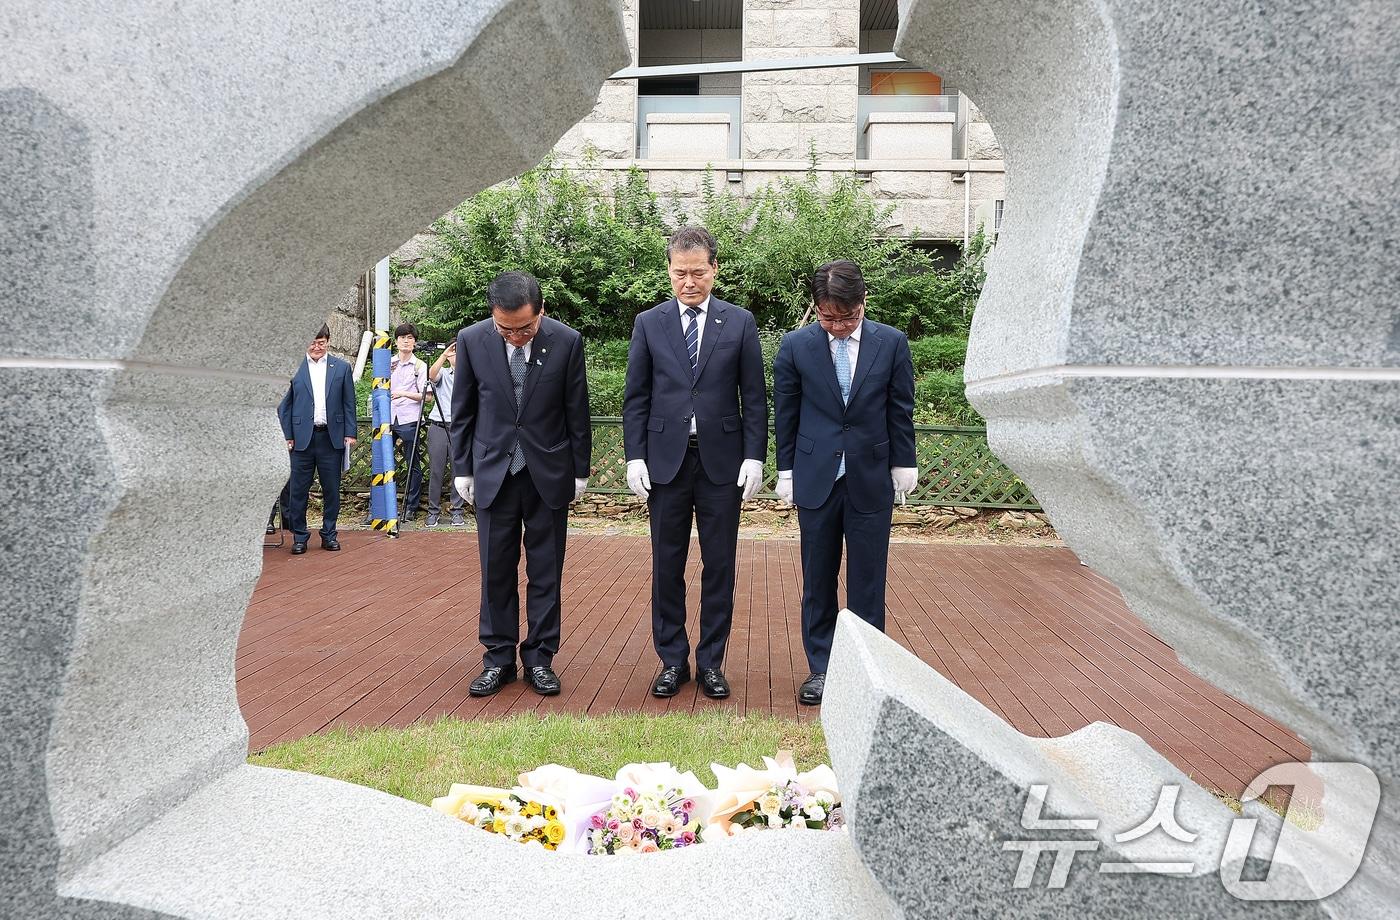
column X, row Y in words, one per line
column 439, row 449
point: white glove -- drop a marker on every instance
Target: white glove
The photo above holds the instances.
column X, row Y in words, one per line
column 465, row 486
column 638, row 479
column 784, row 488
column 905, row 480
column 580, row 487
column 750, row 478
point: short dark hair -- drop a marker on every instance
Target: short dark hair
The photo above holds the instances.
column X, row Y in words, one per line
column 510, row 291
column 405, row 329
column 839, row 284
column 692, row 237
column 324, row 333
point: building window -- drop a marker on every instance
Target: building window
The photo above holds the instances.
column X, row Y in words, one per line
column 905, row 83
column 996, row 217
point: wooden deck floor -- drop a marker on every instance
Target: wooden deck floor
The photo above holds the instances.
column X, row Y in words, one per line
column 384, row 633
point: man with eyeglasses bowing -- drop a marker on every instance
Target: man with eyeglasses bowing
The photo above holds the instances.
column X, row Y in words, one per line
column 522, row 440
column 843, row 407
column 695, row 429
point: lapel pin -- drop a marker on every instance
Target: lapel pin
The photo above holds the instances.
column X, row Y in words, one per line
column 719, row 322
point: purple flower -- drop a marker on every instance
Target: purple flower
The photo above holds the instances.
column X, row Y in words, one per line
column 597, row 822
column 630, row 793
column 637, row 823
column 688, row 805
column 613, row 824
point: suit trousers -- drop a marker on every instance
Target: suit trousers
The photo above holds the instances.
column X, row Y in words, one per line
column 516, row 505
column 867, row 539
column 404, row 435
column 440, row 469
column 324, row 459
column 716, row 511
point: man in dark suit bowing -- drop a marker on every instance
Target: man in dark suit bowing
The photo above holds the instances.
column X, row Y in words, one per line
column 695, row 429
column 318, row 421
column 843, row 403
column 521, row 438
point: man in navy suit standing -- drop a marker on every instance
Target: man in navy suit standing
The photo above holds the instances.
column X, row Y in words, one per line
column 318, row 421
column 843, row 402
column 523, row 442
column 695, row 430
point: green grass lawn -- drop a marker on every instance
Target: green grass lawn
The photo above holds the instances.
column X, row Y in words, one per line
column 421, row 761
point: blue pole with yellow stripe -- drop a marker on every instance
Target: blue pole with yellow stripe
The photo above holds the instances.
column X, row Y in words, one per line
column 383, row 492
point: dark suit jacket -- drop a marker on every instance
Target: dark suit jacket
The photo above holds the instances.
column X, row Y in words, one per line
column 876, row 429
column 553, row 423
column 728, row 397
column 298, row 408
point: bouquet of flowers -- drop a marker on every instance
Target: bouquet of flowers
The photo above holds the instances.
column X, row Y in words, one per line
column 777, row 796
column 790, row 804
column 496, row 811
column 644, row 822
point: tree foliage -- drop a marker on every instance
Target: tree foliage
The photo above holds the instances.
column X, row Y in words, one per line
column 597, row 247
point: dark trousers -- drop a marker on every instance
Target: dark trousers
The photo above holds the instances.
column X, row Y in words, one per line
column 867, row 538
column 498, row 538
column 322, row 458
column 440, row 469
column 716, row 511
column 404, row 436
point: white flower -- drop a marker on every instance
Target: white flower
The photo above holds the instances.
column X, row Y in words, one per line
column 816, row 813
column 770, row 804
column 774, row 821
column 651, row 818
column 669, row 825
column 516, row 826
column 510, row 806
column 798, row 824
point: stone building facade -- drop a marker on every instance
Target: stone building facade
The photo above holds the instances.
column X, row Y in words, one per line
column 923, row 146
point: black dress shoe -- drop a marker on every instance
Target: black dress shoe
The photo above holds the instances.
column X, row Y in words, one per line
column 298, row 549
column 491, row 681
column 543, row 680
column 812, row 688
column 713, row 684
column 271, row 528
column 332, row 545
column 669, row 681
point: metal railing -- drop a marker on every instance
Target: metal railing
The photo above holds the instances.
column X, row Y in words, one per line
column 956, row 467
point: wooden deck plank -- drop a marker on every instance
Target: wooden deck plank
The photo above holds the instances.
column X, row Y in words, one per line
column 385, row 633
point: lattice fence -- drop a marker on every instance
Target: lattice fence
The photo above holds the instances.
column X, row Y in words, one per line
column 956, row 467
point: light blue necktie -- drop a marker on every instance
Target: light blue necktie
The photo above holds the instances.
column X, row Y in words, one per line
column 843, row 379
column 517, row 379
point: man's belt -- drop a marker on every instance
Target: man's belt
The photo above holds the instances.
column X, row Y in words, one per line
column 440, row 424
column 694, row 442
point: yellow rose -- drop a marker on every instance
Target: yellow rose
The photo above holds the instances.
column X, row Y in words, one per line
column 554, row 832
column 531, row 809
column 498, row 826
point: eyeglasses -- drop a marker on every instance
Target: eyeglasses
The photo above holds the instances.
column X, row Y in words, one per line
column 841, row 322
column 507, row 332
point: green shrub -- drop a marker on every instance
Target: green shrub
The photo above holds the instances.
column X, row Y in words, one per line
column 608, row 353
column 939, row 399
column 605, row 389
column 938, row 353
column 598, row 251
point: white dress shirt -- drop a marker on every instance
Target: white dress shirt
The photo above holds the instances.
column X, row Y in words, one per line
column 317, row 371
column 442, row 393
column 510, row 351
column 704, row 308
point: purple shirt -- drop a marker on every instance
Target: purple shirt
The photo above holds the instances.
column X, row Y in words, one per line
column 408, row 375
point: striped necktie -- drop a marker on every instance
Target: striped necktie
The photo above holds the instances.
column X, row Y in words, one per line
column 692, row 339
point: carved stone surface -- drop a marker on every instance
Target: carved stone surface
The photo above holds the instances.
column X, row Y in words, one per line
column 1181, row 312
